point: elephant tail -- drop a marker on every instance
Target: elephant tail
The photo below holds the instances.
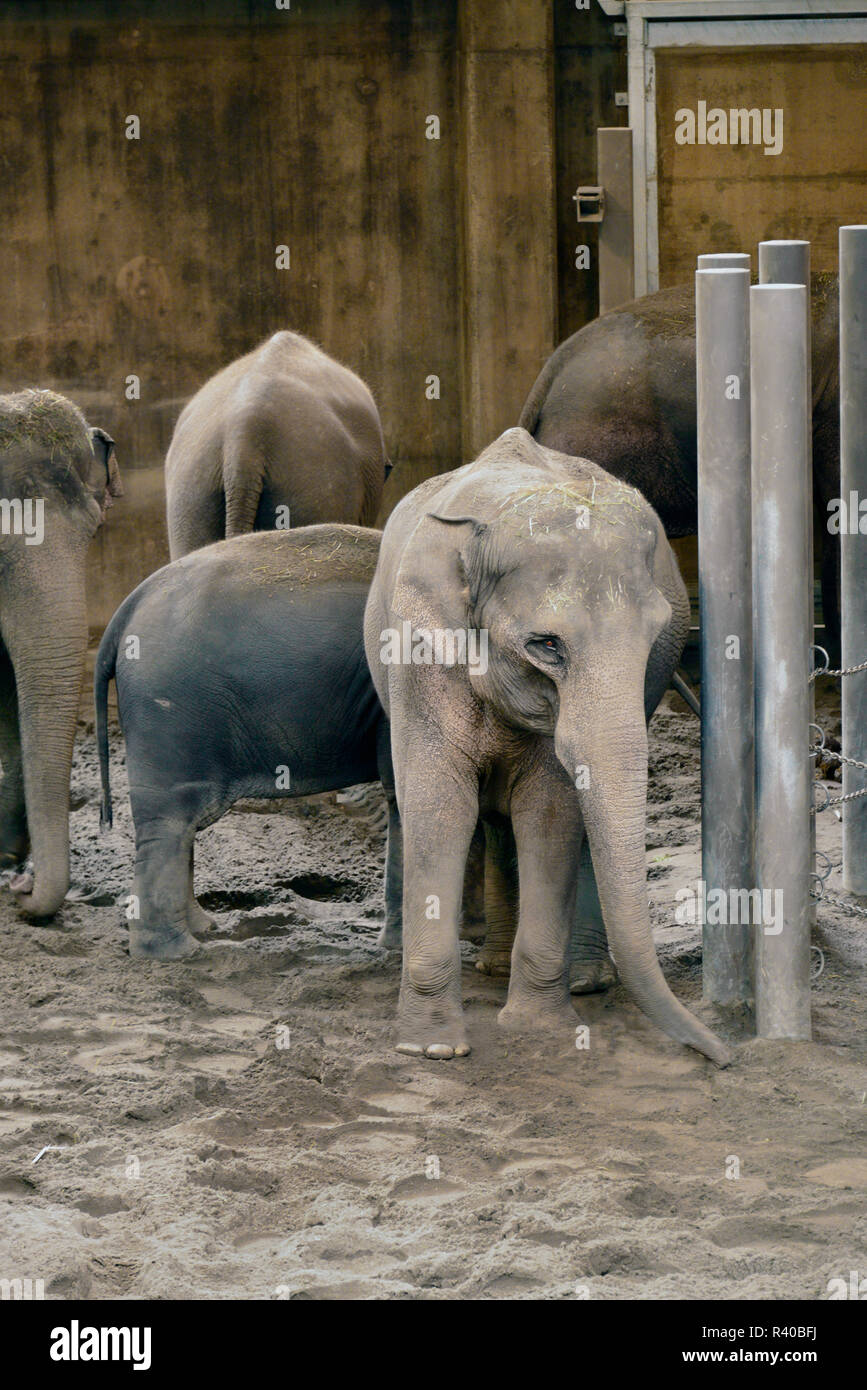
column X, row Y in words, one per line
column 106, row 659
column 243, row 480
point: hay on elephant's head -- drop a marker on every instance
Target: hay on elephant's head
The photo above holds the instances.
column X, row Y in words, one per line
column 601, row 497
column 42, row 421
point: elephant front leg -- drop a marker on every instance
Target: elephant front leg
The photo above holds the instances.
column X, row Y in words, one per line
column 437, row 831
column 14, row 837
column 591, row 969
column 547, row 827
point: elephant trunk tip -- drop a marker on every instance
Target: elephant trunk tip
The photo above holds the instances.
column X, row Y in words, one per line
column 38, row 901
column 689, row 1030
column 719, row 1054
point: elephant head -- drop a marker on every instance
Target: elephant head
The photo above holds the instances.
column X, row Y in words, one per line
column 575, row 585
column 56, row 479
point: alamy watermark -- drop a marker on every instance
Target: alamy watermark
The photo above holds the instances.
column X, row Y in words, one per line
column 847, row 516
column 23, row 517
column 737, row 126
column 440, row 646
column 717, row 907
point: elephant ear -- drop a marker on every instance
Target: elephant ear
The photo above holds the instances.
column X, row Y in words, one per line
column 107, row 483
column 441, row 575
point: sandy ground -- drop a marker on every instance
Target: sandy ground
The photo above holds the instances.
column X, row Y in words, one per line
column 237, row 1125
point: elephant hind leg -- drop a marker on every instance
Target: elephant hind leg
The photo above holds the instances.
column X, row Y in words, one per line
column 391, row 935
column 591, row 968
column 473, row 920
column 165, row 831
column 199, row 923
column 14, row 835
column 501, row 897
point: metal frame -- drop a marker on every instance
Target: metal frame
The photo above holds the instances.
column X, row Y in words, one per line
column 653, row 24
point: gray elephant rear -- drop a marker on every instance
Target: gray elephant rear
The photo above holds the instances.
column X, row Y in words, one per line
column 283, row 436
column 240, row 672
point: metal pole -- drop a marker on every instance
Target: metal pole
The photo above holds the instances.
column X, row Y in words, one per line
column 781, row 507
column 724, row 260
column 853, row 491
column 788, row 263
column 616, row 230
column 722, row 342
column 784, row 262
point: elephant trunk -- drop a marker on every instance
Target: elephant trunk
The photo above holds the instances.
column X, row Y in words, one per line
column 614, row 807
column 49, row 670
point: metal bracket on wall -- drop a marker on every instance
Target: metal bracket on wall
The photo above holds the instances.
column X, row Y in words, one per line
column 590, row 203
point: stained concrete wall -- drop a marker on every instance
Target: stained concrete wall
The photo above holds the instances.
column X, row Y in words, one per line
column 410, row 257
column 727, row 196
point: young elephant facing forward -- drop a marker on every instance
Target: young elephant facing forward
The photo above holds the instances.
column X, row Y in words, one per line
column 566, row 583
column 240, row 671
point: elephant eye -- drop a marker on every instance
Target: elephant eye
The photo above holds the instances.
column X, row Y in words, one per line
column 546, row 649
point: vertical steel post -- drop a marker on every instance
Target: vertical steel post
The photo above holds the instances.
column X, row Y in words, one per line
column 781, row 509
column 722, row 344
column 853, row 541
column 784, row 262
column 724, row 260
column 788, row 263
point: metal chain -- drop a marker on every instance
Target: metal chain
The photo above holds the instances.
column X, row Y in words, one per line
column 824, row 896
column 843, row 671
column 835, row 898
column 839, row 758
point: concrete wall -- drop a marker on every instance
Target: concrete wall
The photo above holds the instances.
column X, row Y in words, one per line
column 728, row 197
column 410, row 257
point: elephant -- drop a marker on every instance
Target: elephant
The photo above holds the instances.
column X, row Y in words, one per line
column 622, row 391
column 58, row 477
column 283, row 436
column 240, row 672
column 524, row 621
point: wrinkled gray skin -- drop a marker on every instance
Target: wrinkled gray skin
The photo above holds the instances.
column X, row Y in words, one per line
column 585, row 629
column 250, row 660
column 622, row 392
column 285, row 426
column 47, row 452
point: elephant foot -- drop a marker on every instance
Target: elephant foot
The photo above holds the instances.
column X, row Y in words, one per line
column 437, row 1051
column 161, row 945
column 390, row 936
column 198, row 921
column 491, row 962
column 592, row 976
column 539, row 1013
column 431, row 1028
column 35, row 898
